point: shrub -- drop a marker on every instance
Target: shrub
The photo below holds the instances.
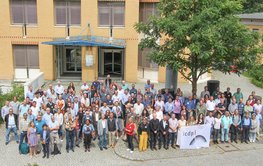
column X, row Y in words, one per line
column 17, row 90
column 256, row 75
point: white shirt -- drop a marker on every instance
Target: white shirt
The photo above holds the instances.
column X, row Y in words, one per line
column 35, row 111
column 160, row 104
column 115, row 98
column 85, row 101
column 11, row 121
column 84, row 87
column 217, row 123
column 210, row 105
column 103, row 123
column 257, row 107
column 209, row 120
column 138, row 108
column 172, row 124
column 38, row 101
column 59, row 118
column 53, row 125
column 47, row 118
column 59, row 89
column 159, row 115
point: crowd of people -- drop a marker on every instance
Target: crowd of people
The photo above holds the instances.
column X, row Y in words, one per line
column 108, row 111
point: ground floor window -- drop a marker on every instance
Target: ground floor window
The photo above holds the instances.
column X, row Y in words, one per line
column 144, row 60
column 26, row 56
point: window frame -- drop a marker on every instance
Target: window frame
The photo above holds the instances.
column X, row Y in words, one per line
column 27, row 51
column 68, row 9
column 110, row 6
column 25, row 13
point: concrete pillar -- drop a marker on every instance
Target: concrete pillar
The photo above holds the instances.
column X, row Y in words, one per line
column 171, row 78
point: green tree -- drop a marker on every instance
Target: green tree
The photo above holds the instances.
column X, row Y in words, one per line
column 252, row 6
column 198, row 36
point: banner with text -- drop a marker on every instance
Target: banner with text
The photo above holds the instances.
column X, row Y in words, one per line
column 194, row 137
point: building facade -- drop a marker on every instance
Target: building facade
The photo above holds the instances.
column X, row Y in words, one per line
column 76, row 40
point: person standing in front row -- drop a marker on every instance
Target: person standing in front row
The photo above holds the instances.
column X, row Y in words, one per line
column 154, row 129
column 23, row 126
column 217, row 124
column 245, row 127
column 143, row 131
column 45, row 139
column 54, row 138
column 87, row 130
column 129, row 129
column 11, row 123
column 163, row 133
column 226, row 122
column 32, row 138
column 102, row 132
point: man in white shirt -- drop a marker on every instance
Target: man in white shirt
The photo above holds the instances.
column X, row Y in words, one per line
column 49, row 91
column 173, row 124
column 138, row 107
column 11, row 125
column 115, row 97
column 59, row 89
column 35, row 109
column 85, row 100
column 210, row 104
column 84, row 87
column 159, row 103
column 38, row 100
column 159, row 113
column 210, row 120
column 54, row 138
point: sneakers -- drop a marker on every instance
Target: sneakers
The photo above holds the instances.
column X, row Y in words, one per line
column 128, row 149
column 131, row 151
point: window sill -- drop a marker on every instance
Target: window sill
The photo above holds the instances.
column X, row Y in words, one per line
column 107, row 27
column 64, row 26
column 21, row 25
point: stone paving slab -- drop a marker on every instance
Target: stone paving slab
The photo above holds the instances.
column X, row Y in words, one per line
column 148, row 155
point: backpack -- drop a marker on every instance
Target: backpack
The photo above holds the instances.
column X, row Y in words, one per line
column 56, row 151
column 24, row 149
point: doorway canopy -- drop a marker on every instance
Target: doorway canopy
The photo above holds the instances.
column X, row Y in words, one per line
column 88, row 41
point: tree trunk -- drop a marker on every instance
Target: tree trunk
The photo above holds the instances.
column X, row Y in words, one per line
column 194, row 86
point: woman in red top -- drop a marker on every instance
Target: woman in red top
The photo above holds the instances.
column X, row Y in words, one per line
column 129, row 129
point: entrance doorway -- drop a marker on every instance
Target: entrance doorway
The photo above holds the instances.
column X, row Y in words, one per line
column 69, row 61
column 111, row 62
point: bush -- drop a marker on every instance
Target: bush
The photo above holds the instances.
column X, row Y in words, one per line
column 256, row 75
column 17, row 90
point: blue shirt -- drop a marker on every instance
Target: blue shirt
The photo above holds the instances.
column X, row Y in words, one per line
column 39, row 125
column 87, row 129
column 169, row 107
column 246, row 122
column 189, row 105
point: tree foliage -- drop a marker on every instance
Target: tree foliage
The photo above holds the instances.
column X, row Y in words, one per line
column 252, row 6
column 199, row 35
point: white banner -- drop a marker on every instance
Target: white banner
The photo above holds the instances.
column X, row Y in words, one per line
column 194, row 137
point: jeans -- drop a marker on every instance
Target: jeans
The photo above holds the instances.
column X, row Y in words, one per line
column 252, row 136
column 69, row 139
column 245, row 133
column 130, row 143
column 23, row 135
column 8, row 131
column 216, row 133
column 234, row 132
column 77, row 136
column 87, row 141
column 46, row 149
column 224, row 134
column 103, row 139
column 60, row 131
column 172, row 137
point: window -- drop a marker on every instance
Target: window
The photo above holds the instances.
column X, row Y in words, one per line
column 147, row 10
column 26, row 56
column 111, row 13
column 23, row 11
column 67, row 12
column 144, row 59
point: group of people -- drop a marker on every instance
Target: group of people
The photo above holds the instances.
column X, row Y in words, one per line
column 110, row 111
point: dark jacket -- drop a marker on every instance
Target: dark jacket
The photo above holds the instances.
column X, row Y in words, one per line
column 154, row 125
column 47, row 136
column 112, row 125
column 143, row 127
column 162, row 128
column 7, row 119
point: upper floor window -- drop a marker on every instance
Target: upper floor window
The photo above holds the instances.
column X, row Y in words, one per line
column 111, row 13
column 148, row 9
column 23, row 11
column 67, row 12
